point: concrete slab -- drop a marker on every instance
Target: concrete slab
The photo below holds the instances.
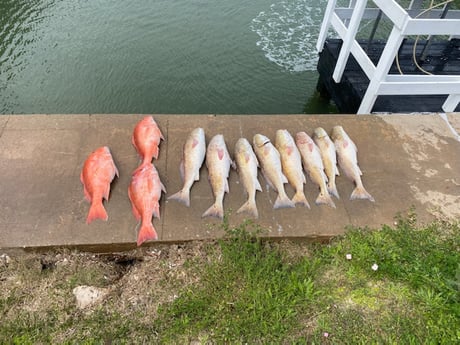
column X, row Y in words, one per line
column 407, row 161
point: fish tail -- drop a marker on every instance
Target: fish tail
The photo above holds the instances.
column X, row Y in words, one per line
column 249, row 207
column 216, row 210
column 182, row 196
column 324, row 199
column 332, row 189
column 282, row 201
column 96, row 211
column 146, row 233
column 299, row 198
column 360, row 193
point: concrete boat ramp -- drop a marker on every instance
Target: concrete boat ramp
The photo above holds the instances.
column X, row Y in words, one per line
column 407, row 161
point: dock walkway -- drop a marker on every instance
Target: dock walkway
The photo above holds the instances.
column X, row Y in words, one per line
column 407, row 160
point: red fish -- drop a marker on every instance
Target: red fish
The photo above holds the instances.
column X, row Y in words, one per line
column 146, row 139
column 144, row 193
column 98, row 172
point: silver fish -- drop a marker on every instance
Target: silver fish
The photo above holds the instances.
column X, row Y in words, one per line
column 329, row 157
column 192, row 159
column 348, row 162
column 218, row 162
column 269, row 159
column 313, row 165
column 291, row 163
column 247, row 164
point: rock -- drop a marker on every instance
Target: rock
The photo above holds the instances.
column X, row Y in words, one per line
column 87, row 296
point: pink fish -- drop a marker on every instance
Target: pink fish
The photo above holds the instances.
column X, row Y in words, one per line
column 146, row 139
column 144, row 193
column 98, row 172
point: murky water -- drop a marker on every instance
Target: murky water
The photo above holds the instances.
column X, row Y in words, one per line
column 152, row 56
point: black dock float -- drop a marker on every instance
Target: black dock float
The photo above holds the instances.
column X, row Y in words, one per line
column 441, row 58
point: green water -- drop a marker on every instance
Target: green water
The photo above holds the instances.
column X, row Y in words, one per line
column 151, row 56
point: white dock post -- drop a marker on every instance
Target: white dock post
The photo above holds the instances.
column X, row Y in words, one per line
column 355, row 20
column 451, row 103
column 325, row 25
column 384, row 65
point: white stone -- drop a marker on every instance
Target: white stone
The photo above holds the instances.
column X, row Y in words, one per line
column 87, row 296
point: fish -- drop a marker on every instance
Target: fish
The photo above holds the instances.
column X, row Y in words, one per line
column 146, row 139
column 144, row 192
column 270, row 162
column 98, row 172
column 313, row 165
column 247, row 165
column 218, row 162
column 291, row 164
column 193, row 155
column 329, row 157
column 348, row 162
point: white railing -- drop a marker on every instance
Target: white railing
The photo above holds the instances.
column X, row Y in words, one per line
column 405, row 22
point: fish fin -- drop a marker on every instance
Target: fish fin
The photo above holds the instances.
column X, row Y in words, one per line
column 233, row 165
column 146, row 233
column 216, row 210
column 155, row 152
column 87, row 195
column 163, row 188
column 336, row 170
column 197, row 175
column 156, row 211
column 258, row 186
column 332, row 189
column 107, row 192
column 299, row 198
column 359, row 170
column 249, row 207
column 325, row 199
column 182, row 196
column 283, row 202
column 96, row 211
column 226, row 186
column 360, row 193
column 268, row 180
column 284, row 178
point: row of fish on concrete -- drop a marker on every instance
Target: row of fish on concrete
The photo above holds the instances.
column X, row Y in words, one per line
column 284, row 162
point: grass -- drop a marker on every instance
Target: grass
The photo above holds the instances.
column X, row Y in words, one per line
column 242, row 289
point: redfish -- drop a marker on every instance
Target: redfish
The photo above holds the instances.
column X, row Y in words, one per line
column 270, row 162
column 348, row 162
column 291, row 163
column 247, row 164
column 145, row 192
column 98, row 172
column 329, row 157
column 218, row 162
column 146, row 139
column 192, row 159
column 313, row 165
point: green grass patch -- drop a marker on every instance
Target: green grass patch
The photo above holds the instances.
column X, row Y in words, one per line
column 243, row 289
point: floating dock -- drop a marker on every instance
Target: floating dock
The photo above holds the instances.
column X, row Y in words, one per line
column 403, row 73
column 407, row 161
column 443, row 58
